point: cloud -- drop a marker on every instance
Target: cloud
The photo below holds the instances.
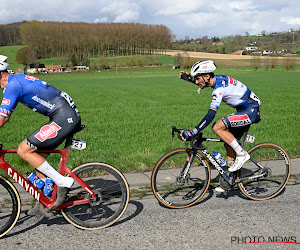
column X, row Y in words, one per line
column 101, row 20
column 290, row 20
column 121, row 11
column 175, row 8
column 241, row 6
column 193, row 18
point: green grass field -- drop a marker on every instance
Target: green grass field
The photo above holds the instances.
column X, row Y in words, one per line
column 10, row 52
column 128, row 115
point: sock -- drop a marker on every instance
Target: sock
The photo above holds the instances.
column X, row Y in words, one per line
column 237, row 148
column 58, row 179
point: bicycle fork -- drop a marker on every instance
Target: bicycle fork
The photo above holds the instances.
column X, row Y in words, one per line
column 184, row 173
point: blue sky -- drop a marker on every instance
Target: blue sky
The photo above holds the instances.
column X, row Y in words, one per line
column 193, row 18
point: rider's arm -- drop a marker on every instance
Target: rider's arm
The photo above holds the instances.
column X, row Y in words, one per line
column 205, row 121
column 216, row 99
column 4, row 120
column 9, row 102
column 188, row 134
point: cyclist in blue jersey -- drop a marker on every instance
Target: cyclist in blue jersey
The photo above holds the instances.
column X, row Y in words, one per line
column 230, row 128
column 46, row 100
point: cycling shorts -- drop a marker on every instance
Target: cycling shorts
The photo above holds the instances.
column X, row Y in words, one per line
column 237, row 123
column 63, row 122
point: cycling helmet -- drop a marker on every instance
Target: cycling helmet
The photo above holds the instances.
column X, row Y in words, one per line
column 3, row 63
column 203, row 67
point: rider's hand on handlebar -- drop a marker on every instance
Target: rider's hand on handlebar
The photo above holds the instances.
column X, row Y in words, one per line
column 187, row 135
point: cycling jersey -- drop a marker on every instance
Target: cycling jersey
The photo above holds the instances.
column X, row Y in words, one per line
column 34, row 93
column 47, row 100
column 233, row 93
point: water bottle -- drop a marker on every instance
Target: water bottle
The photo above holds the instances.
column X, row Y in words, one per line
column 219, row 158
column 48, row 187
column 36, row 181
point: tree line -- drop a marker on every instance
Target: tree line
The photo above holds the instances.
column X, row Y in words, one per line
column 275, row 41
column 87, row 40
column 9, row 34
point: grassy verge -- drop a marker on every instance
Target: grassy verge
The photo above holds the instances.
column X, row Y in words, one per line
column 129, row 114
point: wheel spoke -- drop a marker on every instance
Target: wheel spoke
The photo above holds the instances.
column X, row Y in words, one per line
column 266, row 174
column 112, row 193
column 173, row 186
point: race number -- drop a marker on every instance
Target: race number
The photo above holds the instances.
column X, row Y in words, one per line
column 78, row 144
column 250, row 138
column 254, row 97
column 68, row 99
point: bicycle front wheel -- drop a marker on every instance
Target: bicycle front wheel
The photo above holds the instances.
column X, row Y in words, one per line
column 175, row 184
column 10, row 206
column 266, row 173
column 112, row 192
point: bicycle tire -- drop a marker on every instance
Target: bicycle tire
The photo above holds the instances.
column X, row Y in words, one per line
column 167, row 185
column 278, row 165
column 112, row 191
column 10, row 206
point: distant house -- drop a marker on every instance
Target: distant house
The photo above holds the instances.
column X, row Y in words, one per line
column 251, row 48
column 218, row 43
column 267, row 52
column 54, row 68
column 252, row 43
column 239, row 52
column 81, row 68
column 286, row 52
column 35, row 68
column 257, row 51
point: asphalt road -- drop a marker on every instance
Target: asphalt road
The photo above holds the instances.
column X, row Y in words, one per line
column 217, row 222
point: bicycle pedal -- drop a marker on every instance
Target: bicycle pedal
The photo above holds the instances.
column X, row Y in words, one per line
column 48, row 213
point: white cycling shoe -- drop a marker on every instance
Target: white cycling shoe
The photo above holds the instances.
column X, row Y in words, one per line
column 239, row 162
column 219, row 189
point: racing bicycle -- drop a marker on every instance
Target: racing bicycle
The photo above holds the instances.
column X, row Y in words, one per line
column 97, row 199
column 182, row 176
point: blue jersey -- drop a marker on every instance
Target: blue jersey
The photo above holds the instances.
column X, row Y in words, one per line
column 233, row 92
column 32, row 92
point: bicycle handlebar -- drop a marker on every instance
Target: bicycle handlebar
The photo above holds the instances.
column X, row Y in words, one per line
column 198, row 139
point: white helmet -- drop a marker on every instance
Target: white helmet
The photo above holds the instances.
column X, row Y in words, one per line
column 203, row 67
column 3, row 63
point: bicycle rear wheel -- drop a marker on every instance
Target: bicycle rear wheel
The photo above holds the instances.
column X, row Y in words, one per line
column 174, row 189
column 112, row 192
column 10, row 206
column 268, row 182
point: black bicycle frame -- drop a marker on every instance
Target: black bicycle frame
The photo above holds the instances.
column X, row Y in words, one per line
column 198, row 146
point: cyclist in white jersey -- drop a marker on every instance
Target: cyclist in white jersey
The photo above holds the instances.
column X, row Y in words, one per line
column 235, row 94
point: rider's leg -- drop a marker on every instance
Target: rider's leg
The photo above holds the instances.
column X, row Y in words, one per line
column 28, row 154
column 230, row 154
column 220, row 130
column 241, row 155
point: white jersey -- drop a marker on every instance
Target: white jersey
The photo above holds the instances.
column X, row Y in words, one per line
column 233, row 92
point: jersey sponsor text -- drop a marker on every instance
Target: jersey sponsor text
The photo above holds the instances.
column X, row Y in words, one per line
column 43, row 102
